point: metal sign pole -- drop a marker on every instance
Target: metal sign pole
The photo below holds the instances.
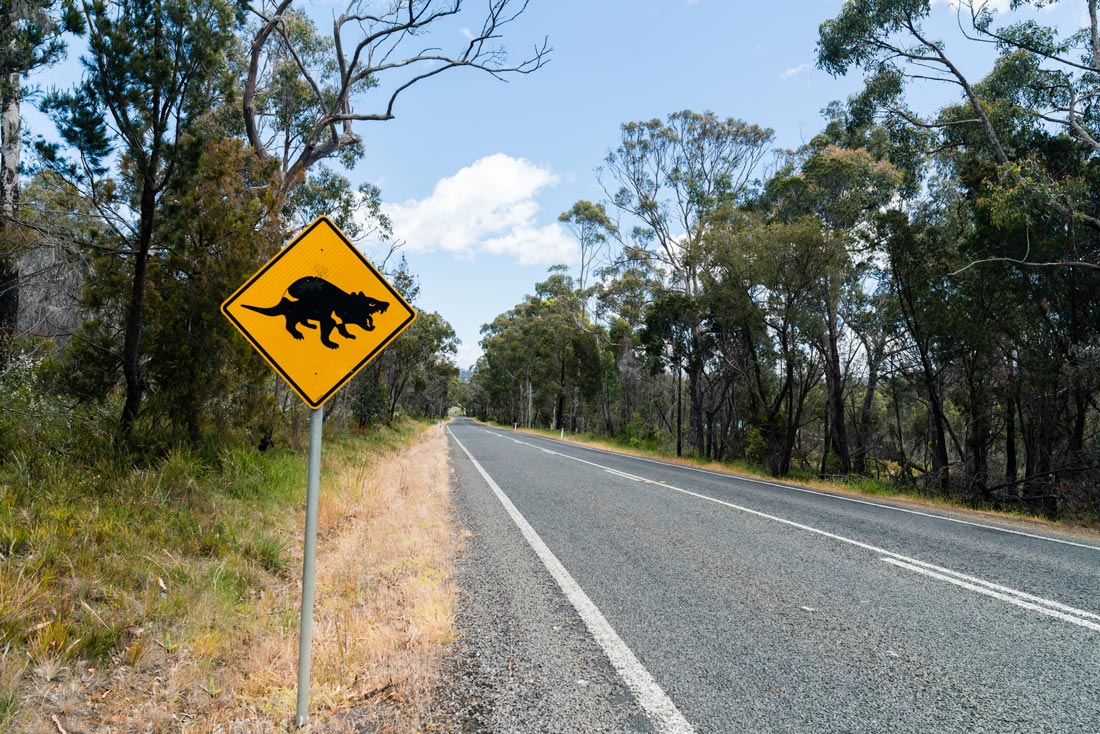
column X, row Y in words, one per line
column 305, row 638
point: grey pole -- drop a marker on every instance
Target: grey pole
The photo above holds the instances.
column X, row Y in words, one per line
column 305, row 638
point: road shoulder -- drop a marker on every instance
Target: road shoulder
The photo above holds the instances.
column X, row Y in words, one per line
column 523, row 661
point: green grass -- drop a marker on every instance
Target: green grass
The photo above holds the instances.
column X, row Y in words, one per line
column 99, row 559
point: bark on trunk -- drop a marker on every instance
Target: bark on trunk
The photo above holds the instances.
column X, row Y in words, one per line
column 131, row 349
column 835, row 379
column 867, row 413
column 695, row 386
column 9, row 201
column 679, row 411
column 560, row 422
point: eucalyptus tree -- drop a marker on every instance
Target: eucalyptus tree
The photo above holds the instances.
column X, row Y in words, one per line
column 594, row 232
column 842, row 189
column 423, row 355
column 1038, row 74
column 668, row 177
column 31, row 37
column 375, row 53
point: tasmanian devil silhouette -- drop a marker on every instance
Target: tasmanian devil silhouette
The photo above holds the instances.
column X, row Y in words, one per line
column 315, row 299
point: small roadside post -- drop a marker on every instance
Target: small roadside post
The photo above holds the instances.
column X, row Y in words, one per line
column 322, row 283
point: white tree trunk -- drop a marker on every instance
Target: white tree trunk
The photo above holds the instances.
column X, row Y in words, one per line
column 9, row 146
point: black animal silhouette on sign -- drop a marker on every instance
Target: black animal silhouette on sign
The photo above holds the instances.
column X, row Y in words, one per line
column 315, row 299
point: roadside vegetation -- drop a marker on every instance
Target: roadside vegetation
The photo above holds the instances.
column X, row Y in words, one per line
column 151, row 465
column 166, row 598
column 909, row 300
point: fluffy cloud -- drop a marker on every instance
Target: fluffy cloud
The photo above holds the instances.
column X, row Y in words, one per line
column 487, row 207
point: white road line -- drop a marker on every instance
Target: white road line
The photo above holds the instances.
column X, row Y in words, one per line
column 827, row 494
column 624, row 475
column 1006, row 590
column 1010, row 598
column 1005, row 593
column 663, row 712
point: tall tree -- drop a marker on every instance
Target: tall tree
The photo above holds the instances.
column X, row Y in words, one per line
column 670, row 178
column 1039, row 77
column 31, row 37
column 153, row 69
column 842, row 189
column 374, row 47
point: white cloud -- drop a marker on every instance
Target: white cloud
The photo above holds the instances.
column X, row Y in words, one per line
column 487, row 207
column 466, row 33
column 794, row 70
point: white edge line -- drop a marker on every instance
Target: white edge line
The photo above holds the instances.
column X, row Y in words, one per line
column 995, row 594
column 989, row 588
column 649, row 694
column 744, row 478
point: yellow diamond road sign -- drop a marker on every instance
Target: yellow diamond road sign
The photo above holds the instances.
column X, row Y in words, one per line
column 318, row 312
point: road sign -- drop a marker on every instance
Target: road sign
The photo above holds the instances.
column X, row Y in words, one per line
column 318, row 312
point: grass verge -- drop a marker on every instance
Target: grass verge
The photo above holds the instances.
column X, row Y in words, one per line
column 167, row 599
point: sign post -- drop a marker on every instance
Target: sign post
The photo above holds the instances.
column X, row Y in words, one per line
column 309, row 576
column 321, row 283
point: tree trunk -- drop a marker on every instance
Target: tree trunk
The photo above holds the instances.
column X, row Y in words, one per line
column 9, row 201
column 835, row 380
column 679, row 411
column 792, row 425
column 866, row 413
column 1080, row 413
column 695, row 386
column 939, row 440
column 131, row 349
column 560, row 421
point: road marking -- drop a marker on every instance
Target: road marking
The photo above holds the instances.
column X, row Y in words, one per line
column 666, row 717
column 1013, row 596
column 742, row 478
column 624, row 475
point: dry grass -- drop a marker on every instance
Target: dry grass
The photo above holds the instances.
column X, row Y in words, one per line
column 219, row 656
column 384, row 604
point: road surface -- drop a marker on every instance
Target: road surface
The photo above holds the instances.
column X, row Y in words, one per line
column 708, row 603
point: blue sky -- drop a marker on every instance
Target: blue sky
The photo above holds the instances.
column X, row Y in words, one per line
column 613, row 62
column 474, row 172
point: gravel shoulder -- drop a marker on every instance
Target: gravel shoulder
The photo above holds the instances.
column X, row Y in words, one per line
column 523, row 661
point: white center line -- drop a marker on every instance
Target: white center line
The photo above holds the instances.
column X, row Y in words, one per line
column 1022, row 599
column 788, row 487
column 1011, row 598
column 666, row 718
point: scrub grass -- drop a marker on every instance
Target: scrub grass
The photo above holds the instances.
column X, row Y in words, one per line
column 166, row 599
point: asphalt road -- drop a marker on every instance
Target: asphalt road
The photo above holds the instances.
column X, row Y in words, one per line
column 728, row 605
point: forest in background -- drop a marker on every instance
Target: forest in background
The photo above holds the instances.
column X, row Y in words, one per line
column 910, row 297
